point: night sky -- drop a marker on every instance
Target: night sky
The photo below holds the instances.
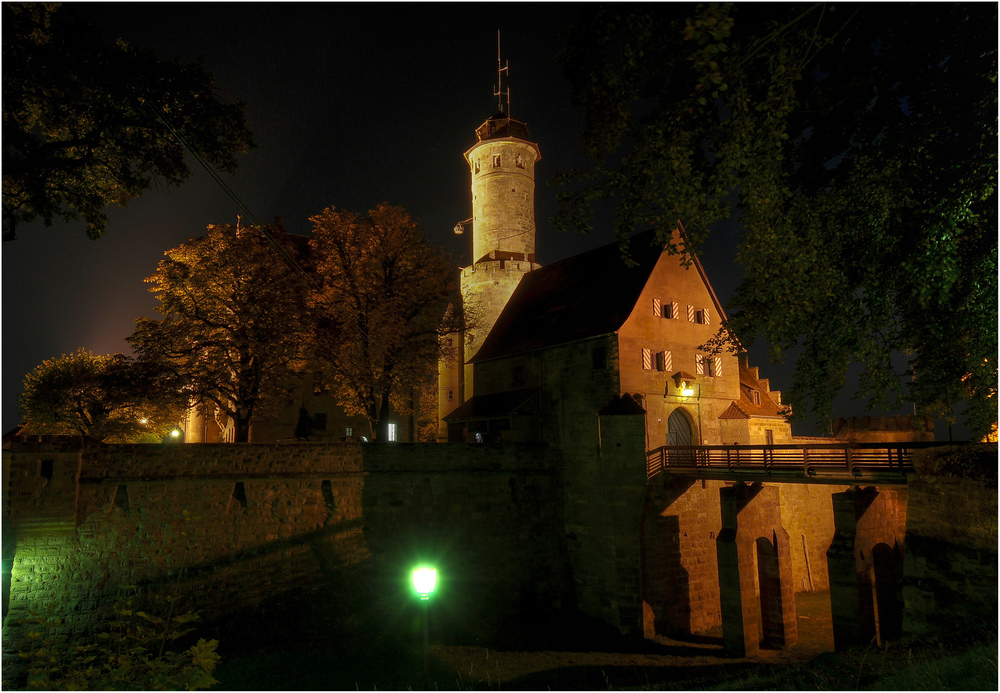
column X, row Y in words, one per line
column 350, row 106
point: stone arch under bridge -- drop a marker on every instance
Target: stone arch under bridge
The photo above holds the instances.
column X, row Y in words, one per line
column 756, row 589
column 707, row 547
column 865, row 561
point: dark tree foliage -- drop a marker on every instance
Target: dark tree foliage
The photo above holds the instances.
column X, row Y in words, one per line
column 383, row 289
column 859, row 143
column 234, row 332
column 112, row 398
column 81, row 120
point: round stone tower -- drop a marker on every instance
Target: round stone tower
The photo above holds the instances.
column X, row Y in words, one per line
column 502, row 163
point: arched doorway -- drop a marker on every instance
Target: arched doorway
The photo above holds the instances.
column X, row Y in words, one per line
column 678, row 429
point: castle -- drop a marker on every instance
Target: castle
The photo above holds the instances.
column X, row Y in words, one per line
column 547, row 344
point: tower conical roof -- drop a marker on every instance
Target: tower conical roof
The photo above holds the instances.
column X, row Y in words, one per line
column 501, row 125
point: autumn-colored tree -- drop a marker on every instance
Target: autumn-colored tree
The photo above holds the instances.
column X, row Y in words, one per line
column 83, row 122
column 859, row 145
column 234, row 330
column 383, row 291
column 112, row 398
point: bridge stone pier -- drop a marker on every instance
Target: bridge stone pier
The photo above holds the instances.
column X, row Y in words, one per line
column 754, row 553
column 865, row 561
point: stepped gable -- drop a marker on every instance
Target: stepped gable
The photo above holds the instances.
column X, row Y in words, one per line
column 583, row 296
column 744, row 408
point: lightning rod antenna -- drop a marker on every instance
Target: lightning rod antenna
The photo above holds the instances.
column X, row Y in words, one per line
column 498, row 92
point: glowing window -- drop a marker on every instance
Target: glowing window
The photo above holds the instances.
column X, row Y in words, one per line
column 392, row 433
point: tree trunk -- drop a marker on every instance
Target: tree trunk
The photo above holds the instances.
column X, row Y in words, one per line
column 242, row 433
column 383, row 419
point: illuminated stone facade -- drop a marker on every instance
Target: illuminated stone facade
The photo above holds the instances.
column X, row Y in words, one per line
column 502, row 165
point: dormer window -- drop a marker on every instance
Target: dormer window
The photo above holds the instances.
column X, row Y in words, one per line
column 755, row 397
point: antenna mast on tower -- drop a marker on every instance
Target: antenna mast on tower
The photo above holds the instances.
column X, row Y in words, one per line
column 498, row 92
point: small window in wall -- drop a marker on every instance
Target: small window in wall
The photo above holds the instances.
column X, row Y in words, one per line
column 350, row 432
column 392, row 433
column 120, row 500
column 667, row 311
column 519, row 162
column 496, row 161
column 519, row 375
column 319, row 422
column 451, row 395
column 599, row 358
column 238, row 498
column 706, row 364
column 476, row 166
column 45, row 468
column 664, row 361
column 326, row 490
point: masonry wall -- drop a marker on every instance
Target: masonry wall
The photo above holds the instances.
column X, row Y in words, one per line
column 681, row 523
column 950, row 573
column 244, row 531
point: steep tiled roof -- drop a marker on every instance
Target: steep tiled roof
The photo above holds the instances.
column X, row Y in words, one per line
column 498, row 404
column 589, row 294
column 745, row 405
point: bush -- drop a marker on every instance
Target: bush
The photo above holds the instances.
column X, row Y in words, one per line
column 129, row 653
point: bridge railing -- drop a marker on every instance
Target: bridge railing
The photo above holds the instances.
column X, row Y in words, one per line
column 834, row 461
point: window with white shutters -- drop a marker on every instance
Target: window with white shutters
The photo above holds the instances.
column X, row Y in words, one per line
column 668, row 361
column 647, row 360
column 691, row 316
column 705, row 364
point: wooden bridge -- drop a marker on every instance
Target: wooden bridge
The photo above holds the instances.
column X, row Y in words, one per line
column 879, row 464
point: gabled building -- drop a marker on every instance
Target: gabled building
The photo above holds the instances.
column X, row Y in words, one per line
column 549, row 347
column 584, row 332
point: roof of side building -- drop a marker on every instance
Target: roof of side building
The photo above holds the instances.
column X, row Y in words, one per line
column 583, row 296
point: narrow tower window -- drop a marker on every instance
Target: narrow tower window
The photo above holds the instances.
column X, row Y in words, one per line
column 496, row 161
column 519, row 162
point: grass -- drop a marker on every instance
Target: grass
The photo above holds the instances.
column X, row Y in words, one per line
column 575, row 653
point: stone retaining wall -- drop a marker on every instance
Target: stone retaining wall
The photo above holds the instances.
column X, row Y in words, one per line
column 239, row 530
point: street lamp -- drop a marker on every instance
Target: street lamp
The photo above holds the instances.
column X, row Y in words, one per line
column 424, row 579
